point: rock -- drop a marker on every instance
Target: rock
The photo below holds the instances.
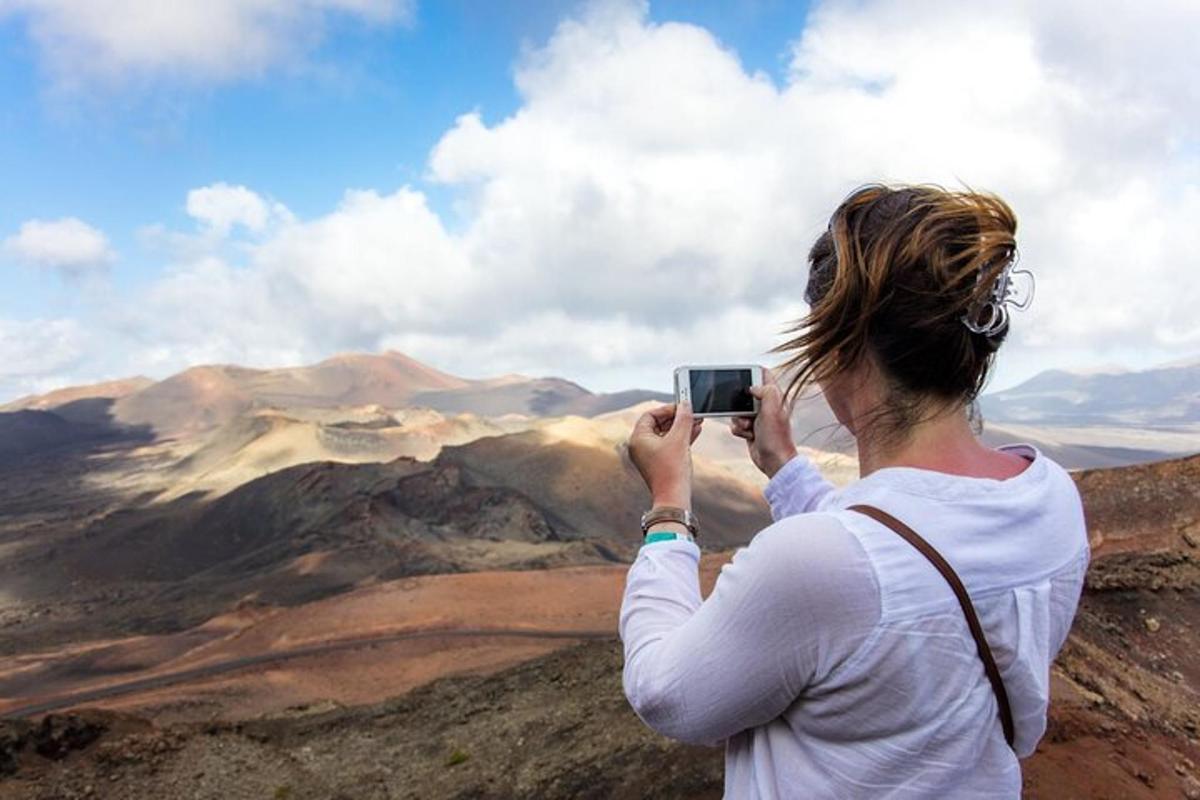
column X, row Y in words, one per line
column 59, row 734
column 14, row 735
column 1152, row 624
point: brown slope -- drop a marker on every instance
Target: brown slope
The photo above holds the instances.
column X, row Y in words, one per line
column 510, row 501
column 256, row 444
column 196, row 399
column 1143, row 507
column 71, row 394
column 202, row 398
column 352, row 379
column 591, row 490
column 26, row 432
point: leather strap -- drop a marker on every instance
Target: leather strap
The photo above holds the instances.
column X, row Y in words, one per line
column 964, row 600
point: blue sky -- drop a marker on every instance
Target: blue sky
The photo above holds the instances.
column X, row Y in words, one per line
column 716, row 135
column 363, row 111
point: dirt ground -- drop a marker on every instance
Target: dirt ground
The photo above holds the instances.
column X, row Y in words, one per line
column 331, row 700
column 1124, row 723
column 345, row 649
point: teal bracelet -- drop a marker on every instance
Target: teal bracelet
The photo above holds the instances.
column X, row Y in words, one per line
column 666, row 536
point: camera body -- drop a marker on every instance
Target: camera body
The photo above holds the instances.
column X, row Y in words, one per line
column 719, row 390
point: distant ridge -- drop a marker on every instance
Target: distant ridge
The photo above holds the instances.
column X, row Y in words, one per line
column 205, row 397
column 59, row 397
column 1083, row 419
column 1163, row 396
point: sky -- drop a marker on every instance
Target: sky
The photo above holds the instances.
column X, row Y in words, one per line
column 595, row 190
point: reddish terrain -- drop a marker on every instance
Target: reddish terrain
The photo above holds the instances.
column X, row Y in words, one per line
column 212, row 616
column 1125, row 720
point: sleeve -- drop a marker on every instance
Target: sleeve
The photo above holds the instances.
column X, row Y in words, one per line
column 784, row 612
column 798, row 487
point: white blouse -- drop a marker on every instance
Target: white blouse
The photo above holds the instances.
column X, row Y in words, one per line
column 833, row 660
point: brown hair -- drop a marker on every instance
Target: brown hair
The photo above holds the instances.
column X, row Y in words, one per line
column 891, row 280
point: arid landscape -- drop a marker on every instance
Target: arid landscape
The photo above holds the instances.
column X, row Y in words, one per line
column 368, row 578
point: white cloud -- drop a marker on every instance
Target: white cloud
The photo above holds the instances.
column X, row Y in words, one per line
column 652, row 202
column 209, row 40
column 642, row 351
column 221, row 206
column 376, row 265
column 647, row 172
column 38, row 355
column 68, row 244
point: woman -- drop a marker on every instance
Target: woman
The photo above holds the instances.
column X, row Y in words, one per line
column 832, row 657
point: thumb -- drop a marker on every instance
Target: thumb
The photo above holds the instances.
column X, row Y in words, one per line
column 765, row 395
column 768, row 394
column 682, row 424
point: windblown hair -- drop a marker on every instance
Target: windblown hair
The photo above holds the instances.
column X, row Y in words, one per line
column 891, row 280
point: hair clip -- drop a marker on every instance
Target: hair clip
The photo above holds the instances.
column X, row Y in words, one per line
column 991, row 316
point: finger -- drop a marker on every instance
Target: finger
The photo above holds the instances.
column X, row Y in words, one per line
column 747, row 435
column 769, row 396
column 650, row 426
column 741, row 423
column 696, row 428
column 771, row 379
column 645, row 424
column 683, row 419
column 663, row 414
column 660, row 418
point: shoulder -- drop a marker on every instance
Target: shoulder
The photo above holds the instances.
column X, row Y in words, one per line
column 1066, row 490
column 1058, row 473
column 810, row 556
column 806, row 537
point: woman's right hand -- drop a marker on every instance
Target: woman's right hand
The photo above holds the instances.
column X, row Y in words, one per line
column 769, row 434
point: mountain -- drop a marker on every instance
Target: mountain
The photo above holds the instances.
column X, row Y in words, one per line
column 539, row 397
column 1167, row 397
column 527, row 500
column 59, row 397
column 203, row 398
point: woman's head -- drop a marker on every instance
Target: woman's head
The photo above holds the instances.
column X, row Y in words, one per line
column 890, row 283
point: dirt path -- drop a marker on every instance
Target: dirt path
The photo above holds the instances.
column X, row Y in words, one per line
column 209, row 670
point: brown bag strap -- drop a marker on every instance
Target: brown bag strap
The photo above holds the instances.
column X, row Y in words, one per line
column 964, row 600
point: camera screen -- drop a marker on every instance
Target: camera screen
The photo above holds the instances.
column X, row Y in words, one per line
column 721, row 391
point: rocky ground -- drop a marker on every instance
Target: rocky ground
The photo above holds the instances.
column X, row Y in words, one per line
column 1125, row 723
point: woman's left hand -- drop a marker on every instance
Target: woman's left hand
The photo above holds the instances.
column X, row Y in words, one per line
column 661, row 449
